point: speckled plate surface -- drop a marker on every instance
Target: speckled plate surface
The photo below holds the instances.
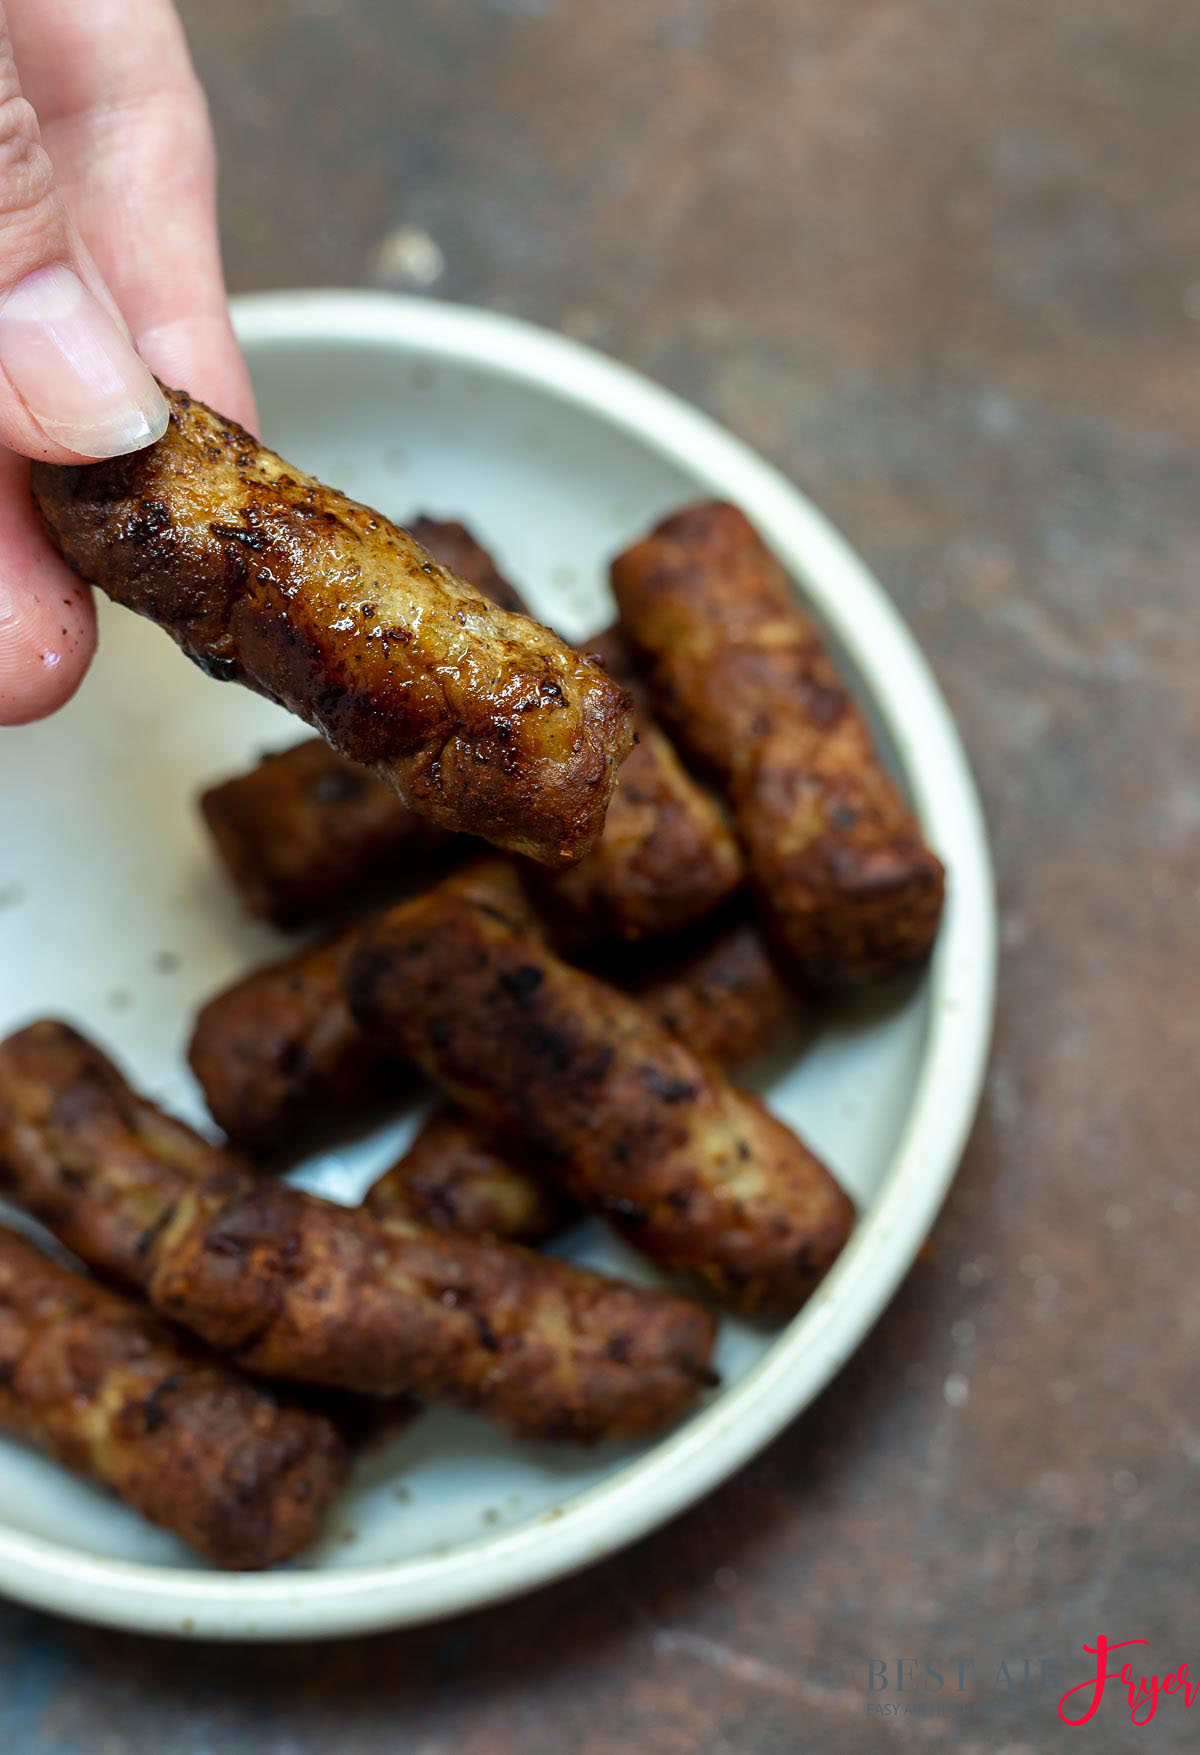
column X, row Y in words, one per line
column 113, row 914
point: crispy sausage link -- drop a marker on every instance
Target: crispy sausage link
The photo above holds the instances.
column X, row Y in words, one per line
column 724, row 999
column 742, row 676
column 306, row 830
column 723, row 996
column 300, row 1289
column 484, row 722
column 96, row 1381
column 666, row 859
column 98, row 1165
column 457, row 1176
column 454, row 547
column 631, row 1123
column 279, row 1050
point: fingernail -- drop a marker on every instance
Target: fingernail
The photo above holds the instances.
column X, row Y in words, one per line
column 74, row 370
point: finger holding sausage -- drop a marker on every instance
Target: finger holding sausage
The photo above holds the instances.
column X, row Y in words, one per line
column 483, row 722
column 99, row 1383
column 742, row 676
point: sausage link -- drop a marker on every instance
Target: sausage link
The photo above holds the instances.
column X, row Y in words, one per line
column 99, row 1383
column 725, row 999
column 279, row 1051
column 299, row 1289
column 483, row 722
column 623, row 1115
column 740, row 673
column 667, row 857
column 306, row 831
column 459, row 1176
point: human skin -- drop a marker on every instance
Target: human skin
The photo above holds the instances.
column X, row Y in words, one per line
column 108, row 259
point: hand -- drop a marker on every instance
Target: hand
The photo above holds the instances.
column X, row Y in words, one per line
column 108, row 259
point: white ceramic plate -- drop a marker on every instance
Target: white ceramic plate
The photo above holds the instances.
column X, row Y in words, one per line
column 113, row 915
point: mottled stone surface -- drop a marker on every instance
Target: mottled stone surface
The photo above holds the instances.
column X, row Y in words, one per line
column 940, row 259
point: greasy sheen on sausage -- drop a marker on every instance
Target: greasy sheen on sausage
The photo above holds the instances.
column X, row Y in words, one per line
column 457, row 549
column 105, row 1387
column 278, row 1051
column 696, row 1174
column 302, row 1290
column 483, row 721
column 723, row 997
column 306, row 831
column 742, row 676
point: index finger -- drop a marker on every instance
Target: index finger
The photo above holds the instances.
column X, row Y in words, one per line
column 125, row 122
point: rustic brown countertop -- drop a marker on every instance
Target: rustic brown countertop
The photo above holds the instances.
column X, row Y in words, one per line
column 939, row 259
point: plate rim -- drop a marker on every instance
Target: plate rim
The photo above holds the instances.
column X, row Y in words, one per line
column 680, row 1469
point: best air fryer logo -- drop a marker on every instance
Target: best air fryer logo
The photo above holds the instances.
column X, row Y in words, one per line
column 1117, row 1679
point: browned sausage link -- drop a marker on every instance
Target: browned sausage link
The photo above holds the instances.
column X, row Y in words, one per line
column 98, row 1165
column 696, row 1174
column 98, row 1382
column 725, row 999
column 483, row 721
column 306, row 830
column 460, row 1177
column 299, row 1289
column 722, row 994
column 279, row 1050
column 742, row 676
column 454, row 547
column 666, row 859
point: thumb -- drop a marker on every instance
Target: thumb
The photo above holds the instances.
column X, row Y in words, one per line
column 71, row 384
